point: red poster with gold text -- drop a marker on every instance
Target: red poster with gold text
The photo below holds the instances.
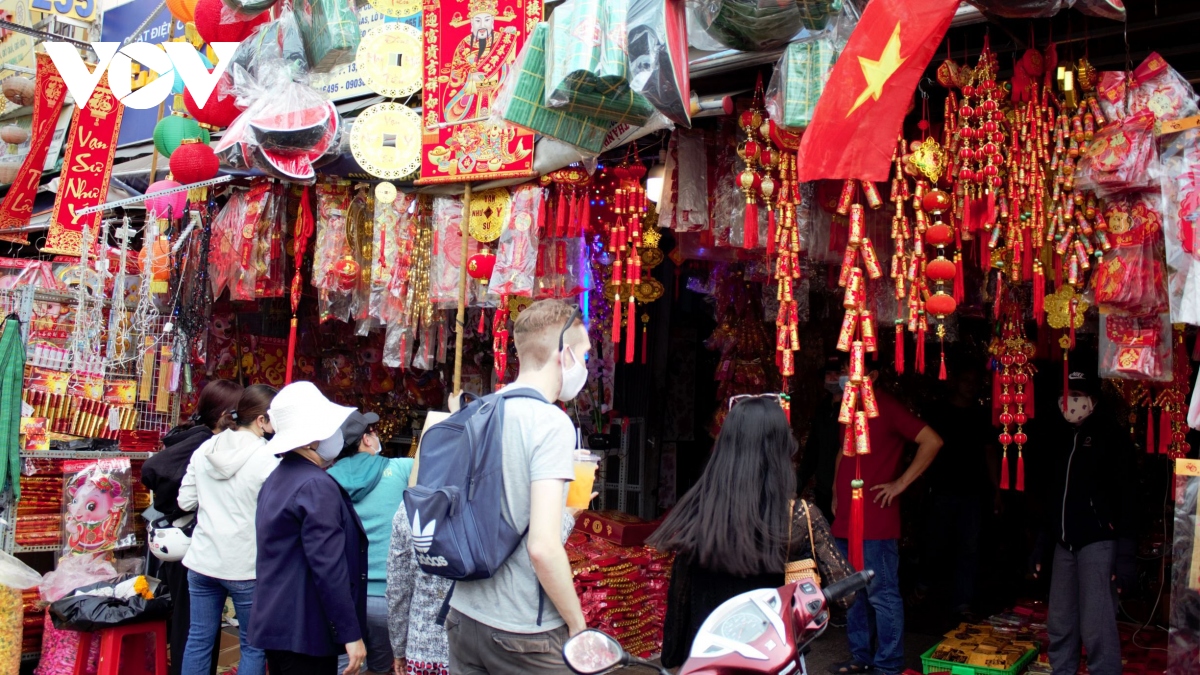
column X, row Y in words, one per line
column 470, row 46
column 17, row 207
column 87, row 168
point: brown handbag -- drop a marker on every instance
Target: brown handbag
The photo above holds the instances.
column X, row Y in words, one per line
column 805, row 569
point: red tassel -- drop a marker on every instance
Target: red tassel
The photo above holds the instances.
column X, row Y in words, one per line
column 630, row 330
column 942, row 369
column 771, row 231
column 999, row 294
column 959, row 292
column 1150, row 447
column 585, row 220
column 541, row 218
column 750, row 233
column 1004, row 470
column 856, row 523
column 482, row 317
column 1020, row 471
column 616, row 327
column 1039, row 295
column 1066, row 379
column 560, row 226
column 921, row 351
column 899, row 349
column 645, row 343
column 291, row 357
column 1164, row 432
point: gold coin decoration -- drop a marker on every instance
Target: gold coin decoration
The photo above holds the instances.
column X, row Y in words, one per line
column 648, row 289
column 386, row 140
column 489, row 213
column 389, row 60
column 651, row 257
column 1058, row 308
column 385, row 193
column 396, row 8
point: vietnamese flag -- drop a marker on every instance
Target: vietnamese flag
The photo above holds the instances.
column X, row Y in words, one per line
column 861, row 110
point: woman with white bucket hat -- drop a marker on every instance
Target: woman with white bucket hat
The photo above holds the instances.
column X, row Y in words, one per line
column 311, row 601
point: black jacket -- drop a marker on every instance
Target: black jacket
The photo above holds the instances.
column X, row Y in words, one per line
column 1094, row 470
column 163, row 473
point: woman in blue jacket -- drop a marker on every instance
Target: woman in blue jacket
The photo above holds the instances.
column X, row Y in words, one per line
column 312, row 550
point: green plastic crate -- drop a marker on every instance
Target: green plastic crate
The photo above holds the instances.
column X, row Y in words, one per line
column 932, row 665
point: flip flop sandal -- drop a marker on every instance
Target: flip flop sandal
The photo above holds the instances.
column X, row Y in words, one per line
column 850, row 667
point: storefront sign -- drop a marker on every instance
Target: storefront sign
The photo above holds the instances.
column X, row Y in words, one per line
column 17, row 206
column 83, row 10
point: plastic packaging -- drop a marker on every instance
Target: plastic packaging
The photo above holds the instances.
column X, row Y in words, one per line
column 446, row 257
column 516, row 252
column 1180, row 190
column 96, row 506
column 99, row 606
column 1130, row 279
column 1183, row 644
column 335, row 271
column 247, row 240
column 1121, row 158
column 798, row 81
column 1159, row 89
column 330, row 31
column 278, row 39
column 59, row 651
column 15, row 576
column 1136, row 347
column 656, row 38
column 75, row 572
column 760, row 25
column 222, row 251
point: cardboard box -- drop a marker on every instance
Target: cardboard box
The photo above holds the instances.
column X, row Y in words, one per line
column 231, row 648
column 615, row 526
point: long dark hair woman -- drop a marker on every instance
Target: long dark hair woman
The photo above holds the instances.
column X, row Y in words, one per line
column 163, row 473
column 740, row 526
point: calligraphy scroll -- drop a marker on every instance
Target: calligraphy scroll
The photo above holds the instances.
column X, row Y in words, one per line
column 470, row 46
column 87, row 168
column 17, row 207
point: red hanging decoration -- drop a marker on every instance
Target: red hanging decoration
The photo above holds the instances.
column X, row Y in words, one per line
column 304, row 230
column 1020, row 470
column 899, row 347
column 1011, row 353
column 857, row 523
column 1004, row 485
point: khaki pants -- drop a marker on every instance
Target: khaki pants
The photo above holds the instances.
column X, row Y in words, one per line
column 477, row 649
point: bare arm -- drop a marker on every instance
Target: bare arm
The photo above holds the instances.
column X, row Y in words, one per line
column 547, row 554
column 928, row 444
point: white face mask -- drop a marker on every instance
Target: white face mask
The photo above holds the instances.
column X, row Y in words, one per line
column 373, row 445
column 573, row 378
column 331, row 447
column 1078, row 408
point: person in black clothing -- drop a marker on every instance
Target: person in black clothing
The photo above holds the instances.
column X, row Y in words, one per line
column 819, row 461
column 736, row 529
column 163, row 473
column 1092, row 521
column 963, row 482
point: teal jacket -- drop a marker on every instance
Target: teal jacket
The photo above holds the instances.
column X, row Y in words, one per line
column 376, row 487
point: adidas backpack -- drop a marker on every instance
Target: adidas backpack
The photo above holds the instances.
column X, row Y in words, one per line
column 457, row 506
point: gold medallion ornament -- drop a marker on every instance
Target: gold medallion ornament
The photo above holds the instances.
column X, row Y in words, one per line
column 1059, row 308
column 927, row 159
column 648, row 289
column 489, row 213
column 386, row 141
column 517, row 304
column 389, row 60
column 385, row 193
column 396, row 8
column 651, row 257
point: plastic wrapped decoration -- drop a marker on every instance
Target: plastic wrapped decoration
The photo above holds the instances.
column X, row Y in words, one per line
column 330, row 31
column 1130, row 279
column 1136, row 347
column 252, row 241
column 1180, row 189
column 1183, row 644
column 517, row 248
column 798, row 81
column 587, row 72
column 395, row 234
column 1121, row 158
column 59, row 651
column 275, row 39
column 1157, row 88
column 359, row 224
column 757, row 25
column 15, row 576
column 226, row 230
column 656, row 38
column 95, row 506
column 562, row 268
column 446, row 256
column 335, row 272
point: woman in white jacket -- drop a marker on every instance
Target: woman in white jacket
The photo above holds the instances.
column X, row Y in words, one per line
column 222, row 484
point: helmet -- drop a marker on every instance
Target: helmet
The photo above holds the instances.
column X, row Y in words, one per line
column 168, row 542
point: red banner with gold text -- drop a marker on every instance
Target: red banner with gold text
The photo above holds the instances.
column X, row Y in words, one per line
column 470, row 46
column 17, row 207
column 87, row 168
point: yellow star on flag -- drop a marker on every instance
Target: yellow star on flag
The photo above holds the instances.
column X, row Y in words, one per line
column 878, row 72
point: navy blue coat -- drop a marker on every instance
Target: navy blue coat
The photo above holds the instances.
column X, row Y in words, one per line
column 311, row 595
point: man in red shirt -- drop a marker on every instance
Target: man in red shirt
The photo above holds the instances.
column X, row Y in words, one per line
column 880, row 610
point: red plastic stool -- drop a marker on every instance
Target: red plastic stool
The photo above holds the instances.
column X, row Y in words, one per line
column 111, row 643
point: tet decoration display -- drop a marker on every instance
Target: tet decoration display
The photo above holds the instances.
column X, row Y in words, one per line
column 17, row 207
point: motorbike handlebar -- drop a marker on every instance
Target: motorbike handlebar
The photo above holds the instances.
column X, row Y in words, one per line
column 853, row 583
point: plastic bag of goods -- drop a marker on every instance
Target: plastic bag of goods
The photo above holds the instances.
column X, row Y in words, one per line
column 1130, row 279
column 1136, row 347
column 798, row 81
column 752, row 25
column 1121, row 158
column 656, row 38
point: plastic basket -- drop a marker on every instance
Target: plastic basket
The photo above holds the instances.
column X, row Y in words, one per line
column 932, row 665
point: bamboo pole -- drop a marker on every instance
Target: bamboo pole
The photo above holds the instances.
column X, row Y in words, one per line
column 161, row 105
column 460, row 322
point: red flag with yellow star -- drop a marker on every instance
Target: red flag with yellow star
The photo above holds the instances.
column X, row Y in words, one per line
column 859, row 114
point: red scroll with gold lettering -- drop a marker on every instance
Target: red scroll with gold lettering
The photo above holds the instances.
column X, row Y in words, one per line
column 17, row 207
column 470, row 46
column 87, row 168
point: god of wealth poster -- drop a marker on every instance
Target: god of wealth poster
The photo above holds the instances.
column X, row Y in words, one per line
column 470, row 46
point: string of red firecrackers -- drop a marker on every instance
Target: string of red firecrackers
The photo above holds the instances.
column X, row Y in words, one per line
column 624, row 237
column 857, row 337
column 783, row 242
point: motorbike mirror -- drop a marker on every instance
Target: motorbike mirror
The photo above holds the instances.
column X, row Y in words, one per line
column 592, row 651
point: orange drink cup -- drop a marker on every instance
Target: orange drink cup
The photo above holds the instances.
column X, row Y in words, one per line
column 579, row 493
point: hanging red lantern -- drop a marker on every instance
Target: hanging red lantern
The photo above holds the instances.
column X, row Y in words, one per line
column 218, row 111
column 940, row 270
column 345, row 273
column 194, row 162
column 480, row 265
column 940, row 305
column 214, row 23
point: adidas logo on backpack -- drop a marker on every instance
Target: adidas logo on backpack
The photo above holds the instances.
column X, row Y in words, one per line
column 422, row 539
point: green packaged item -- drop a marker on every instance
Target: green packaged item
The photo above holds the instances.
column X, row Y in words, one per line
column 805, row 69
column 522, row 101
column 330, row 32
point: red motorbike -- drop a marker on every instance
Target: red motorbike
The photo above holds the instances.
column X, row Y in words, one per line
column 762, row 631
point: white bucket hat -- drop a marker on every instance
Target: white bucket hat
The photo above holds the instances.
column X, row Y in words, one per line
column 301, row 414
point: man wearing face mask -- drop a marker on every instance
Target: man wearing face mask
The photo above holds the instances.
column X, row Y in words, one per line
column 1092, row 511
column 376, row 487
column 516, row 621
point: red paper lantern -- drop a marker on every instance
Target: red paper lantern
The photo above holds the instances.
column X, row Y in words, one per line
column 217, row 112
column 213, row 26
column 938, row 234
column 345, row 272
column 934, row 201
column 193, row 162
column 940, row 270
column 480, row 266
column 940, row 305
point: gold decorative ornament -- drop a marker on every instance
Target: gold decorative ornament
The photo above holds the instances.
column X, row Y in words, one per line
column 651, row 257
column 928, row 159
column 389, row 60
column 1058, row 307
column 489, row 213
column 517, row 304
column 648, row 290
column 386, row 140
column 396, row 8
column 385, row 193
column 611, row 289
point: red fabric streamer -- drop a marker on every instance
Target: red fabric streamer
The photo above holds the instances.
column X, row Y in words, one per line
column 899, row 349
column 1150, row 431
column 630, row 328
column 585, row 219
column 1020, row 471
column 857, row 527
column 1004, row 470
column 942, row 368
column 750, row 233
column 560, row 226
